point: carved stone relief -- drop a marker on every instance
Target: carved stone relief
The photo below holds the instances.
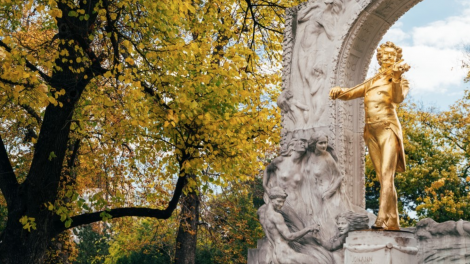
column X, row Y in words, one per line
column 326, row 43
column 315, row 198
column 446, row 242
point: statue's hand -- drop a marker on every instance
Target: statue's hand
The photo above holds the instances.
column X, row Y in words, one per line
column 335, row 92
column 314, row 228
column 399, row 69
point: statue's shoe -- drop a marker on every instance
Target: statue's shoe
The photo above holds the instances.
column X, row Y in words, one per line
column 392, row 224
column 379, row 224
column 392, row 228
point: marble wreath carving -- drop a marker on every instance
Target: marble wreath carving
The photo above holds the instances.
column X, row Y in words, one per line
column 307, row 214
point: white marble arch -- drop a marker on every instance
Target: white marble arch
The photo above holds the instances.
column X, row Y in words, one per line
column 357, row 32
column 364, row 22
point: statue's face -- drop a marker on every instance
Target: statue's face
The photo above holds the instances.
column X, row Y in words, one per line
column 278, row 203
column 301, row 145
column 389, row 57
column 322, row 144
column 298, row 145
column 335, row 5
column 343, row 225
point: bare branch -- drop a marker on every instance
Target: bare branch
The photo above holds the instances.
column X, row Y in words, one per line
column 89, row 218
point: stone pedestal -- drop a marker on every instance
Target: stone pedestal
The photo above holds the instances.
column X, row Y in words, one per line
column 381, row 247
column 445, row 249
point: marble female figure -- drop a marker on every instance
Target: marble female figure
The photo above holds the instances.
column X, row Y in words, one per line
column 286, row 172
column 322, row 191
column 295, row 111
column 315, row 34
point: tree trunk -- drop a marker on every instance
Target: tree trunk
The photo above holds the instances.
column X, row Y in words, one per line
column 18, row 245
column 187, row 233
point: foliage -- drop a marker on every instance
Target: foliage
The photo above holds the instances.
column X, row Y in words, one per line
column 449, row 197
column 231, row 223
column 141, row 240
column 92, row 244
column 62, row 249
column 108, row 104
column 229, row 226
column 3, row 214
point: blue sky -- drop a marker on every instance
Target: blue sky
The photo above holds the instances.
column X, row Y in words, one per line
column 433, row 35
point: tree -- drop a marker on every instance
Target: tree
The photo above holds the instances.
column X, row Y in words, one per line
column 115, row 108
column 143, row 241
column 228, row 227
column 448, row 197
column 230, row 221
column 92, row 246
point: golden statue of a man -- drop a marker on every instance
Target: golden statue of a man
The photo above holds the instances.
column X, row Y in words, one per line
column 382, row 132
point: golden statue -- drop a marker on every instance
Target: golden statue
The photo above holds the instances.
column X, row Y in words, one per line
column 382, row 132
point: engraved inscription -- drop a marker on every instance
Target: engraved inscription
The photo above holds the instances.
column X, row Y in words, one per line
column 363, row 259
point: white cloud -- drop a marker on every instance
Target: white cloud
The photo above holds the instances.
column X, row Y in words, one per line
column 433, row 69
column 434, row 52
column 453, row 32
column 396, row 33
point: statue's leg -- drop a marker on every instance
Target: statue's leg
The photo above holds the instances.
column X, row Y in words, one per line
column 388, row 144
column 376, row 157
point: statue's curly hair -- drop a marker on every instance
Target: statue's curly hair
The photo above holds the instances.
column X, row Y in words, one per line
column 277, row 192
column 356, row 221
column 388, row 44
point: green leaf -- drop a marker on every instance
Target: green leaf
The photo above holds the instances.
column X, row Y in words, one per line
column 52, row 155
column 68, row 223
column 73, row 14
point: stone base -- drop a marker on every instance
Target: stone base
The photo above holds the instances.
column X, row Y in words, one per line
column 261, row 254
column 380, row 247
column 253, row 256
column 444, row 249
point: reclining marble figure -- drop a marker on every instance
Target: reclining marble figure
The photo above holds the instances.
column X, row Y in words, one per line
column 279, row 235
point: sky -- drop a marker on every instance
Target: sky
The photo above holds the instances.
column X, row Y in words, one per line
column 433, row 35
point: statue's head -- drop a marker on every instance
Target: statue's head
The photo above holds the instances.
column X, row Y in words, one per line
column 388, row 54
column 277, row 196
column 350, row 221
column 335, row 5
column 318, row 141
column 298, row 143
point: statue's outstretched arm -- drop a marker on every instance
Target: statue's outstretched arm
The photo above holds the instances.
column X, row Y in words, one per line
column 348, row 93
column 284, row 230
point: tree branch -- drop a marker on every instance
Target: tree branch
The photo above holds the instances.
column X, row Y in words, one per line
column 15, row 83
column 158, row 99
column 89, row 218
column 32, row 112
column 8, row 183
column 44, row 76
